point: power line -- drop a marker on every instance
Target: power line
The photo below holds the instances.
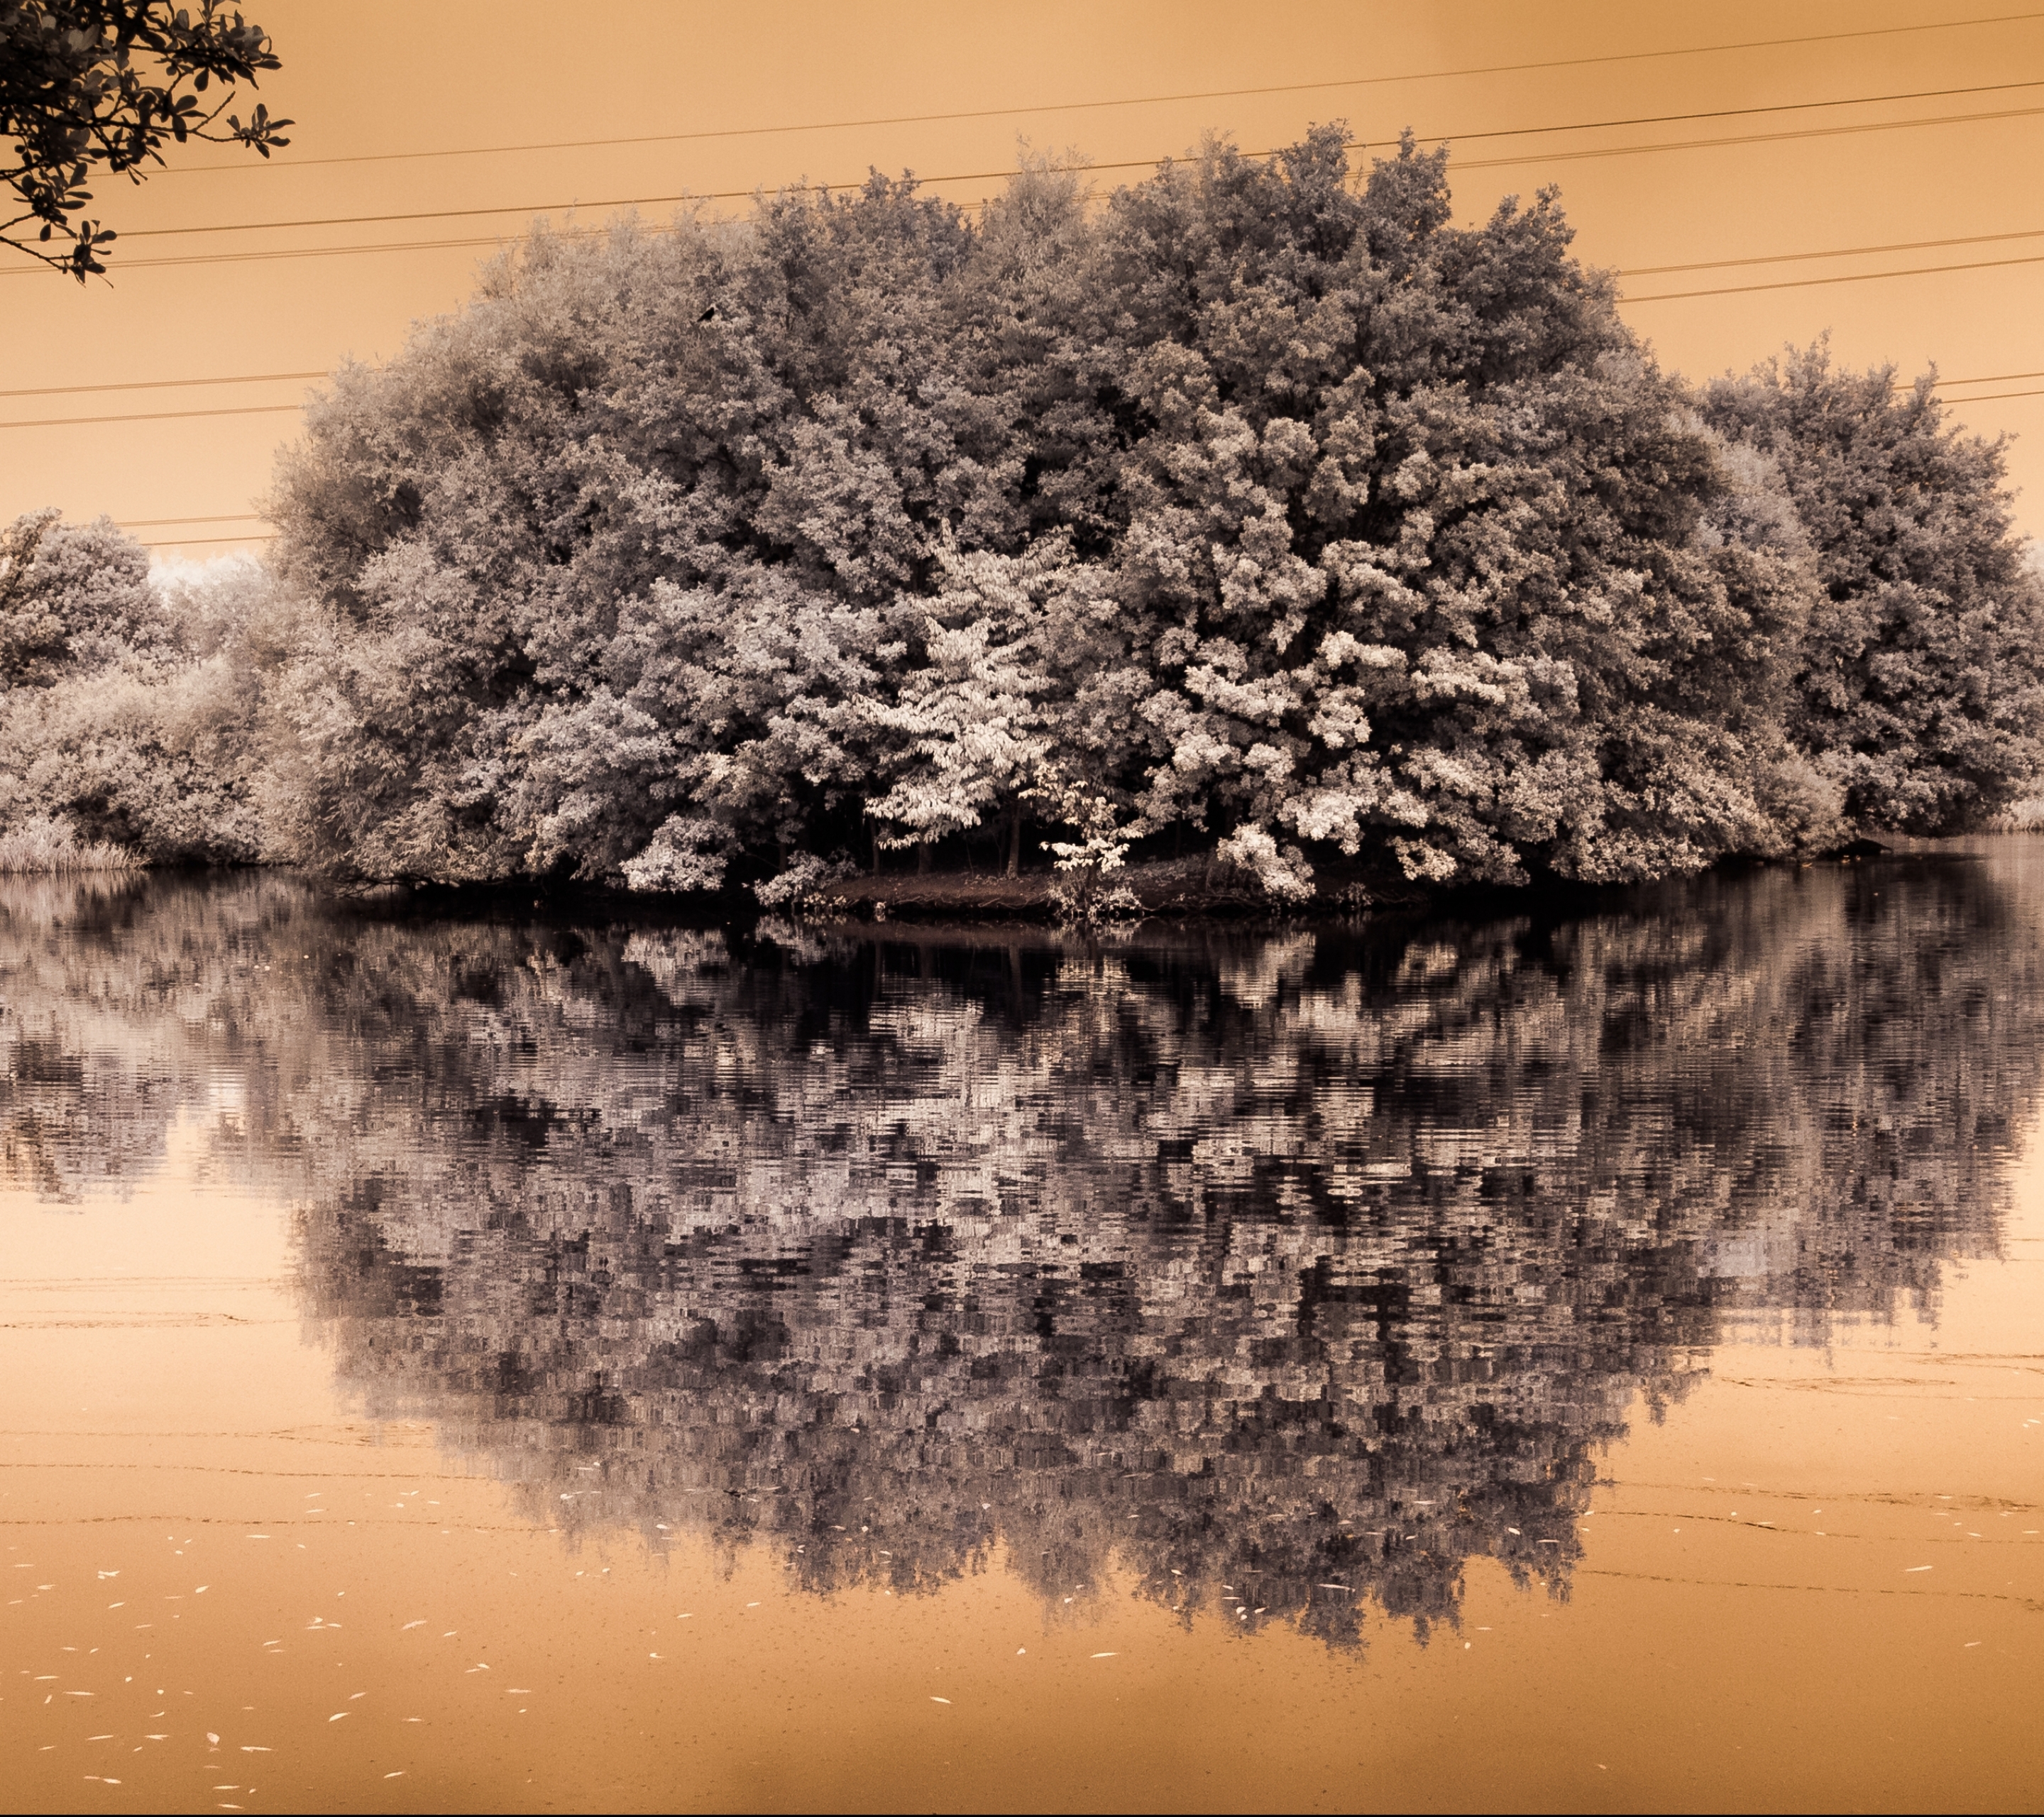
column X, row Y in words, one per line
column 1848, row 277
column 1992, row 378
column 1837, row 252
column 151, row 416
column 1128, row 101
column 1362, row 144
column 1750, row 139
column 158, row 384
column 1993, row 397
column 267, row 257
column 960, row 176
column 1984, row 378
column 196, row 542
column 217, row 518
column 257, row 378
column 251, row 517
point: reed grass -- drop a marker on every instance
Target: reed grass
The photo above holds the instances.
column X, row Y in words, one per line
column 43, row 846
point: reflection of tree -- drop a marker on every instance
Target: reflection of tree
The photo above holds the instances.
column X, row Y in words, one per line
column 1259, row 1266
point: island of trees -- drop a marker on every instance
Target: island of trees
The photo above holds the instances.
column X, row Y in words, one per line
column 1258, row 525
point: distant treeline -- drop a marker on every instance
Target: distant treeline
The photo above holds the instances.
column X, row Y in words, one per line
column 1259, row 512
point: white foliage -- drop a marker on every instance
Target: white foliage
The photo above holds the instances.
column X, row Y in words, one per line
column 803, row 881
column 688, row 852
column 1284, row 874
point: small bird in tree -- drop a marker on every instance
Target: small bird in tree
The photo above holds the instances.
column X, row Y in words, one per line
column 104, row 82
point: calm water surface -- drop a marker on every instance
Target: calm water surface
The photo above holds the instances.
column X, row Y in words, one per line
column 492, row 1359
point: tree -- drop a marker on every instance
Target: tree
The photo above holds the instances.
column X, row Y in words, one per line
column 87, row 84
column 130, row 703
column 73, row 597
column 1918, row 689
column 1263, row 507
column 1415, row 549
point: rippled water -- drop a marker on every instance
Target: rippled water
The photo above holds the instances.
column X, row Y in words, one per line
column 483, row 1356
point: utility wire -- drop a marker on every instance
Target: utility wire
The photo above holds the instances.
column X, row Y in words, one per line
column 1128, row 101
column 158, row 384
column 259, row 410
column 1353, row 144
column 1848, row 277
column 151, row 416
column 181, row 542
column 1836, row 253
column 1993, row 397
column 958, row 176
column 217, row 518
column 195, row 542
column 1901, row 384
column 1993, row 379
column 1748, row 139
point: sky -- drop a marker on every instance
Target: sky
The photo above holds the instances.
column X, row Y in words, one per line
column 1760, row 172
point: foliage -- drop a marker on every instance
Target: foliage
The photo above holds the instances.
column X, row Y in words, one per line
column 90, row 83
column 1261, row 510
column 1279, row 510
column 1917, row 688
column 44, row 845
column 130, row 705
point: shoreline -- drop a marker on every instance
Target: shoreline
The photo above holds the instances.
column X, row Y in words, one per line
column 1185, row 892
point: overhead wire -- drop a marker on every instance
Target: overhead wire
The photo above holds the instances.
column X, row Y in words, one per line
column 1842, row 277
column 267, row 254
column 217, row 518
column 157, row 384
column 1996, row 397
column 175, row 415
column 1832, row 252
column 1984, row 378
column 150, row 415
column 1129, row 100
column 263, row 377
column 1750, row 139
column 196, row 542
column 1132, row 164
column 1641, row 271
column 1134, row 101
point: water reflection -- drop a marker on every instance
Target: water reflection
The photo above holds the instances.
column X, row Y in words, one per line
column 1288, row 1274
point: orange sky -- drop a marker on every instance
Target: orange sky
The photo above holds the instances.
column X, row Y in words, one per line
column 368, row 78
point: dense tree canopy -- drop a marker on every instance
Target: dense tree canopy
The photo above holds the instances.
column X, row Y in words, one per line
column 1261, row 513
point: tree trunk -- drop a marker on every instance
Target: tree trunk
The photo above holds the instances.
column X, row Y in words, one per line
column 1015, row 841
column 923, row 859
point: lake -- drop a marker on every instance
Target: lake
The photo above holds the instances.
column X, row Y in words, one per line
column 499, row 1355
